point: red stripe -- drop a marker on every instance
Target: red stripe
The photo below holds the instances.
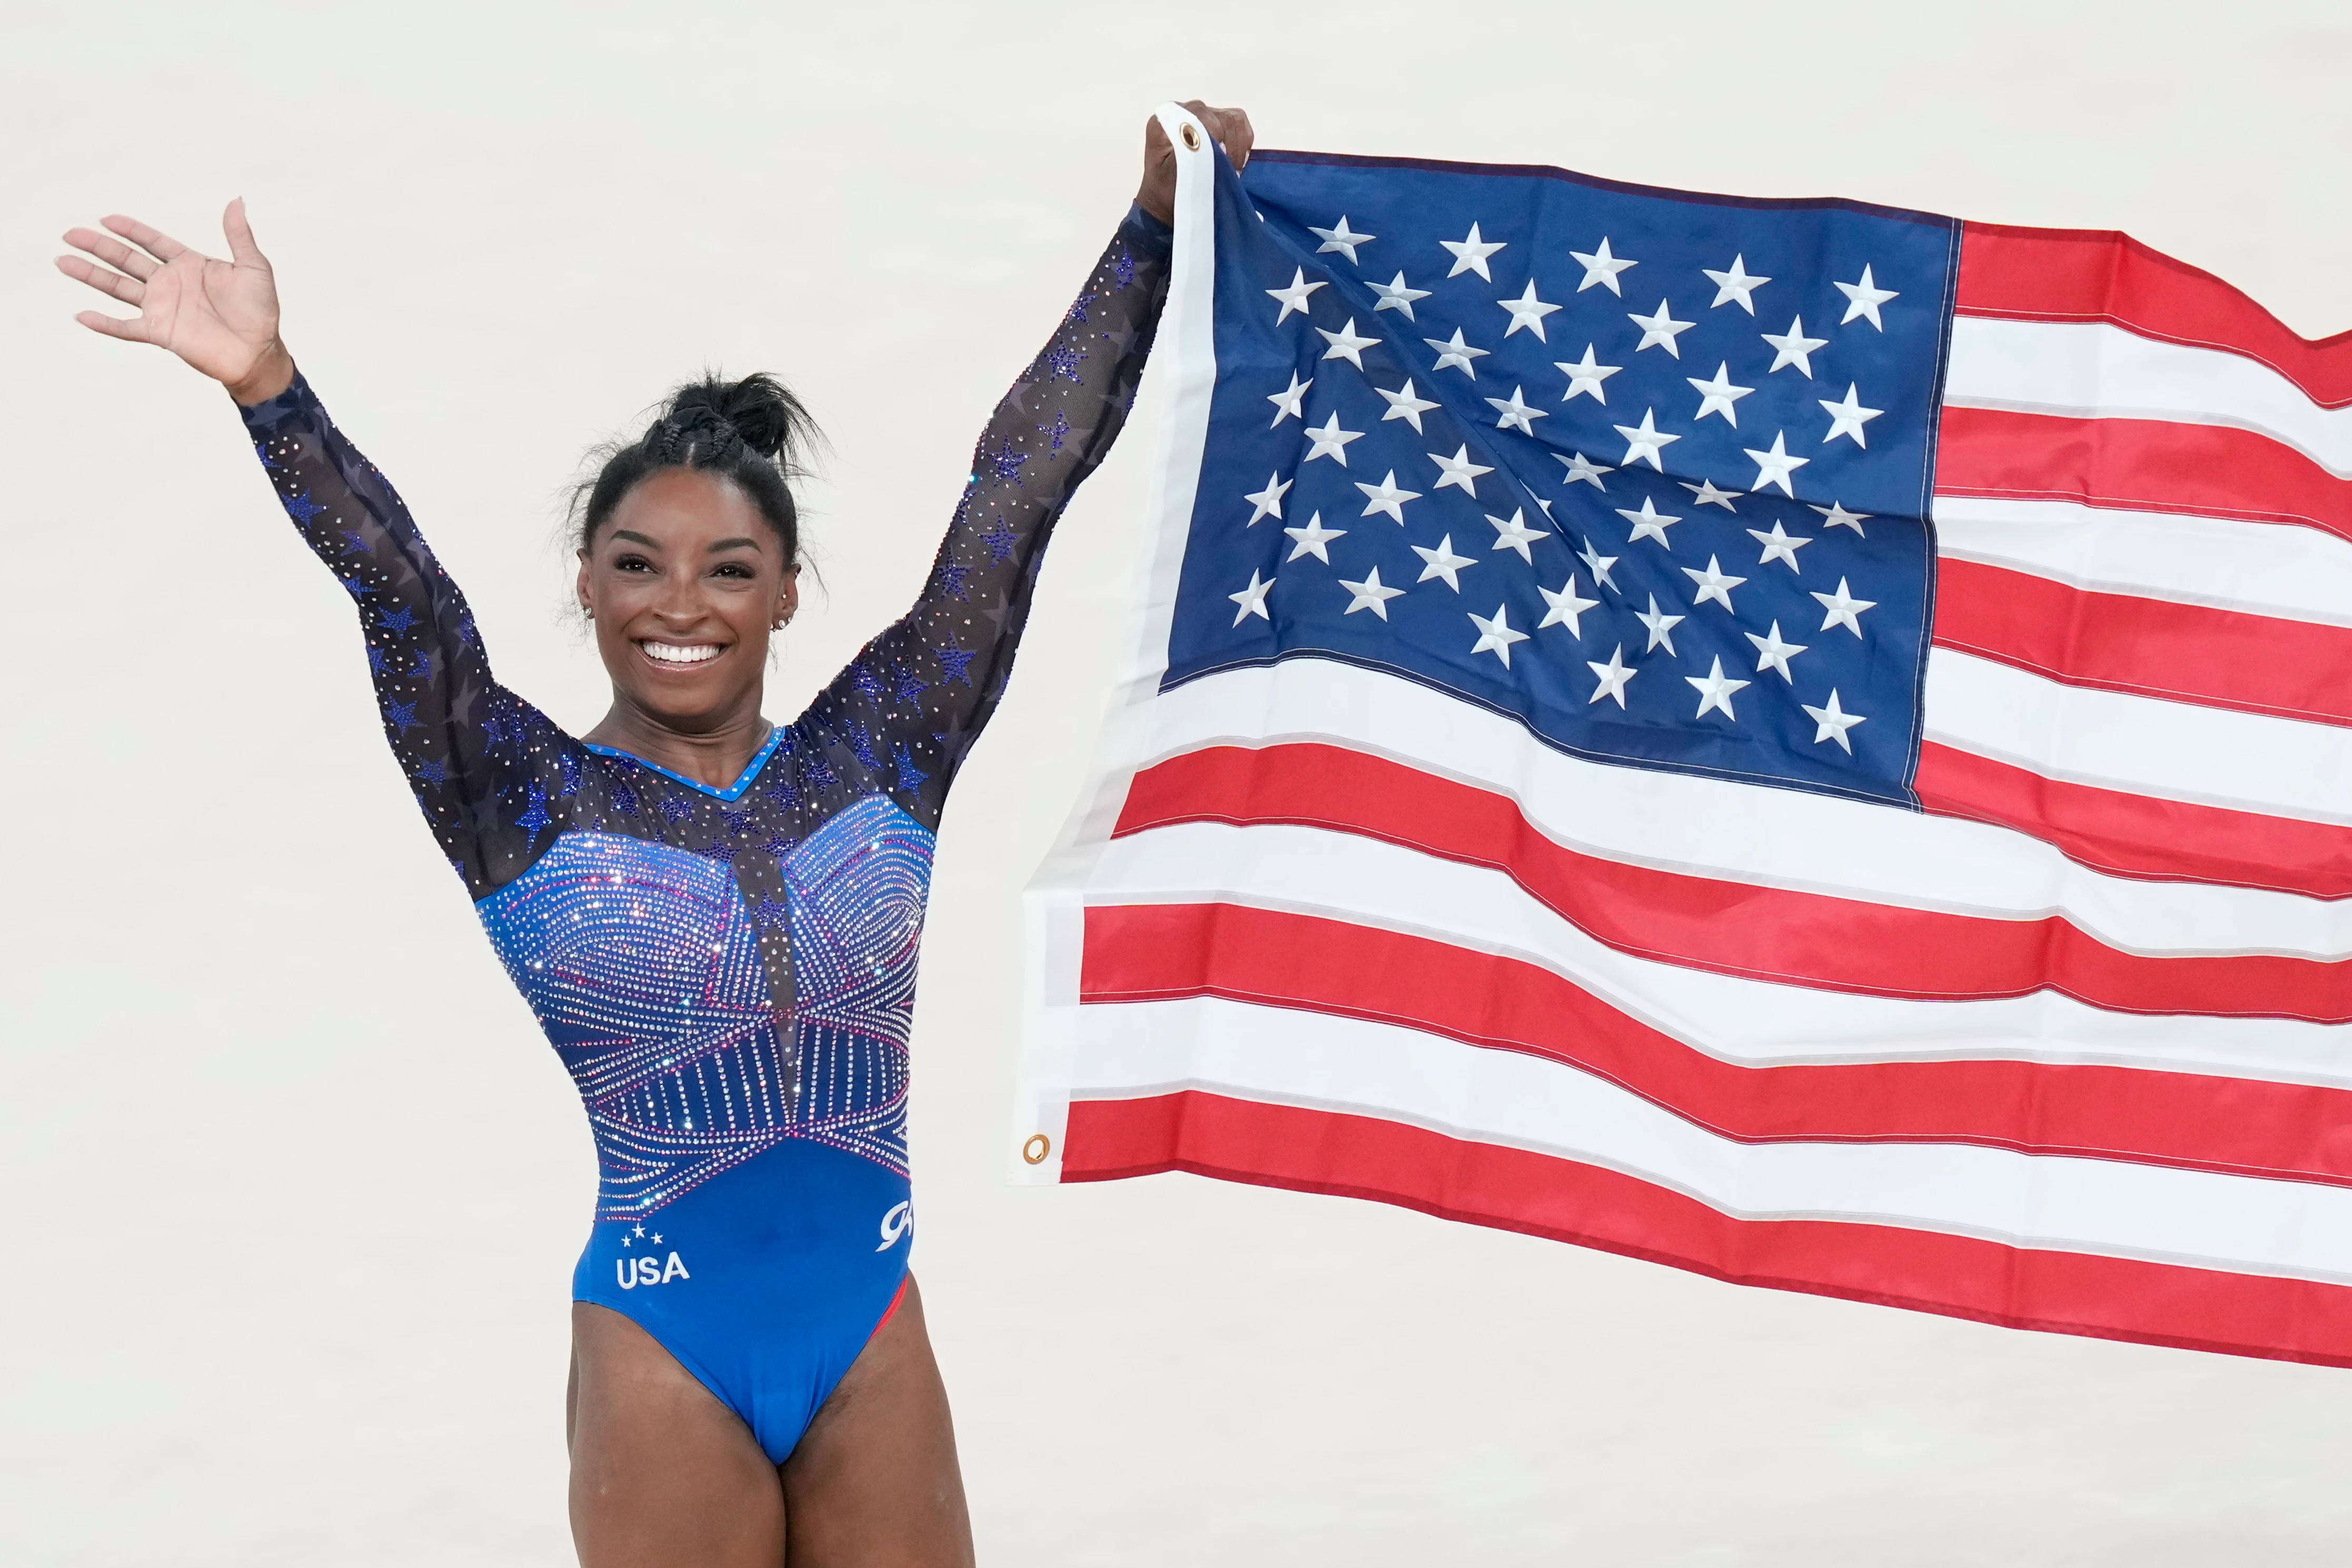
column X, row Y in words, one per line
column 2154, row 647
column 2125, row 834
column 2140, row 465
column 1727, row 926
column 1541, row 1194
column 1159, row 952
column 2077, row 275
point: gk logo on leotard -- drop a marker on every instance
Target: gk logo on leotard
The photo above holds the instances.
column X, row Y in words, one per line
column 648, row 1270
column 895, row 1224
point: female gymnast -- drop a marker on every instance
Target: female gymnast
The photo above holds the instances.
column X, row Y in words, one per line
column 715, row 918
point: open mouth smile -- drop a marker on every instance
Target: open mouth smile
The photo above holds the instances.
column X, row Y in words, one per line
column 680, row 655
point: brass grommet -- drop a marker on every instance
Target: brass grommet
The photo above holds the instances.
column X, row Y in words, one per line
column 1192, row 140
column 1035, row 1150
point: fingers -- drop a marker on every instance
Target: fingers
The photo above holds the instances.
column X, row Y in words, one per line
column 130, row 290
column 152, row 240
column 129, row 332
column 241, row 247
column 1230, row 127
column 112, row 252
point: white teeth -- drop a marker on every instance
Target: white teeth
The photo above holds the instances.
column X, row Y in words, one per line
column 681, row 653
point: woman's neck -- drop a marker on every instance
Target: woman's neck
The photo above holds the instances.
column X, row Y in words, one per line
column 716, row 756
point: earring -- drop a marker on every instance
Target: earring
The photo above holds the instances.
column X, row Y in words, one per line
column 588, row 613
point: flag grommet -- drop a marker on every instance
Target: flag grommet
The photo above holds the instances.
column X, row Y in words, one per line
column 1035, row 1150
column 1193, row 140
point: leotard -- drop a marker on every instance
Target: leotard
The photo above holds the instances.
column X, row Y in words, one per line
column 729, row 974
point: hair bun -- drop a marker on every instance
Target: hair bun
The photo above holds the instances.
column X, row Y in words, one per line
column 758, row 411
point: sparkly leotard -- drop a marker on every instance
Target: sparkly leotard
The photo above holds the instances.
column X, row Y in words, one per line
column 729, row 974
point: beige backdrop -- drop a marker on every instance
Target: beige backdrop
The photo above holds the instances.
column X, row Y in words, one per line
column 293, row 1188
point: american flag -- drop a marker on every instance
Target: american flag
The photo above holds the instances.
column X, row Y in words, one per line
column 1799, row 740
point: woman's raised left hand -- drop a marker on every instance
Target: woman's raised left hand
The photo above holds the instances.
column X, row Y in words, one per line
column 219, row 317
column 1230, row 127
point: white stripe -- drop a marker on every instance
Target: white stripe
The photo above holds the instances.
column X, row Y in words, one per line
column 2113, row 1208
column 2094, row 369
column 2174, row 751
column 2255, row 568
column 1752, row 1022
column 1713, row 827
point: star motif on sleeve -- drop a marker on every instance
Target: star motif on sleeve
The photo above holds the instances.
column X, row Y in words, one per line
column 1453, row 351
column 1294, row 297
column 1661, row 626
column 1526, row 311
column 1720, row 396
column 1715, row 690
column 1312, row 539
column 1733, row 287
column 1847, row 418
column 956, row 663
column 910, row 777
column 1495, row 636
column 1713, row 584
column 355, row 586
column 1330, row 441
column 1267, row 503
column 1705, row 494
column 772, row 915
column 399, row 619
column 1341, row 238
column 1598, row 565
column 1772, row 654
column 1403, row 405
column 302, row 509
column 1443, row 562
column 423, row 669
column 535, row 817
column 1582, row 470
column 1839, row 517
column 1842, row 609
column 1614, row 675
column 432, row 771
column 1602, row 267
column 1649, row 523
column 1834, row 721
column 1369, row 594
column 1470, row 254
column 1395, row 295
column 1660, row 329
column 1862, row 299
column 1564, row 608
column 1345, row 345
column 1458, row 471
column 1793, row 348
column 953, row 579
column 402, row 717
column 1513, row 533
column 1780, row 545
column 1775, row 467
column 1000, row 541
column 1386, row 498
column 1645, row 441
column 377, row 662
column 1290, row 402
column 1585, row 376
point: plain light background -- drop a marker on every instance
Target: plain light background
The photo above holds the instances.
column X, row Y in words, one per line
column 292, row 1187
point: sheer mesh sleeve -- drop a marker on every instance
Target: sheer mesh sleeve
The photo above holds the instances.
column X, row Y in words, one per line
column 479, row 758
column 900, row 718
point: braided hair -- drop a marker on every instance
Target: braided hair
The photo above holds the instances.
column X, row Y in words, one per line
column 754, row 432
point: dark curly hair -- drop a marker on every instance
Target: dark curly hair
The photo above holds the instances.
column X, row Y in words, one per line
column 752, row 432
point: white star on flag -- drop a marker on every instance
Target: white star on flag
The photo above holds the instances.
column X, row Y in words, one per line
column 1583, row 470
column 1847, row 418
column 1515, row 534
column 1863, row 299
column 1340, row 239
column 1772, row 654
column 1496, row 636
column 1397, row 296
column 1661, row 626
column 1565, row 608
column 1312, row 539
column 1292, row 400
column 1385, row 497
column 1713, row 584
column 1470, row 255
column 1839, row 517
column 1842, row 609
column 1526, row 311
column 1719, row 395
column 1443, row 562
column 1733, row 287
column 1456, row 354
column 1614, row 676
column 1331, row 441
column 1294, row 297
column 1780, row 545
column 1715, row 690
column 1775, row 467
column 1268, row 501
column 1833, row 721
column 1371, row 594
column 1458, row 470
column 1644, row 442
column 1648, row 523
column 1598, row 565
column 1345, row 345
column 1515, row 412
column 1660, row 329
column 1585, row 376
column 1602, row 267
column 1793, row 348
column 1251, row 600
column 1707, row 494
column 1403, row 405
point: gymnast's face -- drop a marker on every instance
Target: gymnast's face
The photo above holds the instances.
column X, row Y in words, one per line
column 684, row 583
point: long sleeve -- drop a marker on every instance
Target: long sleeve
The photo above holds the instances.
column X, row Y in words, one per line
column 900, row 718
column 479, row 759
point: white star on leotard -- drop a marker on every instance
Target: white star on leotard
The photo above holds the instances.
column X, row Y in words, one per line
column 1705, row 494
column 1443, row 562
column 1528, row 311
column 1772, row 654
column 1614, row 676
column 1661, row 626
column 1839, row 517
column 1833, row 721
column 1598, row 565
column 1340, row 239
column 1863, row 299
column 1780, row 545
column 1565, row 609
column 1345, row 345
column 1398, row 296
column 1715, row 689
column 1733, row 287
column 1583, row 470
column 1292, row 400
column 1713, row 584
column 1405, row 405
column 1648, row 523
column 1369, row 594
column 1847, row 418
column 1515, row 534
column 1330, row 441
column 1660, row 327
column 1585, row 376
column 1385, row 496
column 1251, row 600
column 1494, row 635
column 1470, row 254
column 1268, row 501
column 1312, row 539
column 1793, row 348
column 1645, row 441
column 1515, row 412
column 1843, row 609
column 1775, row 467
column 1294, row 297
column 1602, row 267
column 1458, row 470
column 1456, row 354
column 1718, row 396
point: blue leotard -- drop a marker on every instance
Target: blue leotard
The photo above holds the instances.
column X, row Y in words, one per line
column 729, row 974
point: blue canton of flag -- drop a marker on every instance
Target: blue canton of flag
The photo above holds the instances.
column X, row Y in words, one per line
column 1647, row 472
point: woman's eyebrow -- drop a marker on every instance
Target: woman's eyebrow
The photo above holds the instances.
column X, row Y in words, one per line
column 633, row 534
column 733, row 544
